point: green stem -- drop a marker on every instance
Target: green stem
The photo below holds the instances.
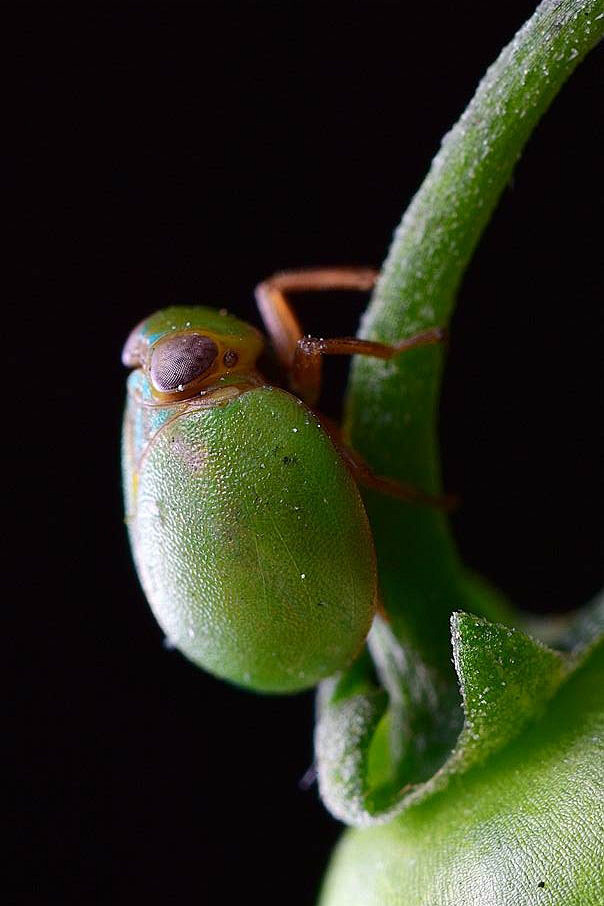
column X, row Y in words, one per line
column 392, row 406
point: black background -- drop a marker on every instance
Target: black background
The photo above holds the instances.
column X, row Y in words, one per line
column 169, row 153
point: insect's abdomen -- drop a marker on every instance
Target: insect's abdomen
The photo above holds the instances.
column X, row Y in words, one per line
column 252, row 543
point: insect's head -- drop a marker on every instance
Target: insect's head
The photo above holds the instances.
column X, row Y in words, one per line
column 184, row 349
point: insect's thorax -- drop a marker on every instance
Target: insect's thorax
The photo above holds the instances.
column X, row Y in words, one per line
column 145, row 416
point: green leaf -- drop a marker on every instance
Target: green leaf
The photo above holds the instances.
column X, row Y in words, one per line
column 373, row 741
column 524, row 828
column 377, row 757
column 343, row 734
column 505, row 678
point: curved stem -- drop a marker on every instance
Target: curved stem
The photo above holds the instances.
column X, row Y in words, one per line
column 392, row 406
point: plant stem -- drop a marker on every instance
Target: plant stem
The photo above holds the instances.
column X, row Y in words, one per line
column 392, row 407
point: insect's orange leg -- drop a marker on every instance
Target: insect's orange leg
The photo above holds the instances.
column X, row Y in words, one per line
column 277, row 313
column 306, row 370
column 301, row 356
column 364, row 475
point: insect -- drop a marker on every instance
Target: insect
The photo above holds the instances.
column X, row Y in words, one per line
column 246, row 524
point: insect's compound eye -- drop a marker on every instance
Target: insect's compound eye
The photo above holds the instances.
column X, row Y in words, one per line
column 180, row 359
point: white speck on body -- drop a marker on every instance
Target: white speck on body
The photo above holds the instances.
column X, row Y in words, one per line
column 295, row 430
column 303, row 575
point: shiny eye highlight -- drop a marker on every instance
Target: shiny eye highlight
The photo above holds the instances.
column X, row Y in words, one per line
column 180, row 359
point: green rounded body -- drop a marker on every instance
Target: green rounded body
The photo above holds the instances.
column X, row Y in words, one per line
column 250, row 537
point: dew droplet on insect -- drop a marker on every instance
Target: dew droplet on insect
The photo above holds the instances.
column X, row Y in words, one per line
column 180, row 388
